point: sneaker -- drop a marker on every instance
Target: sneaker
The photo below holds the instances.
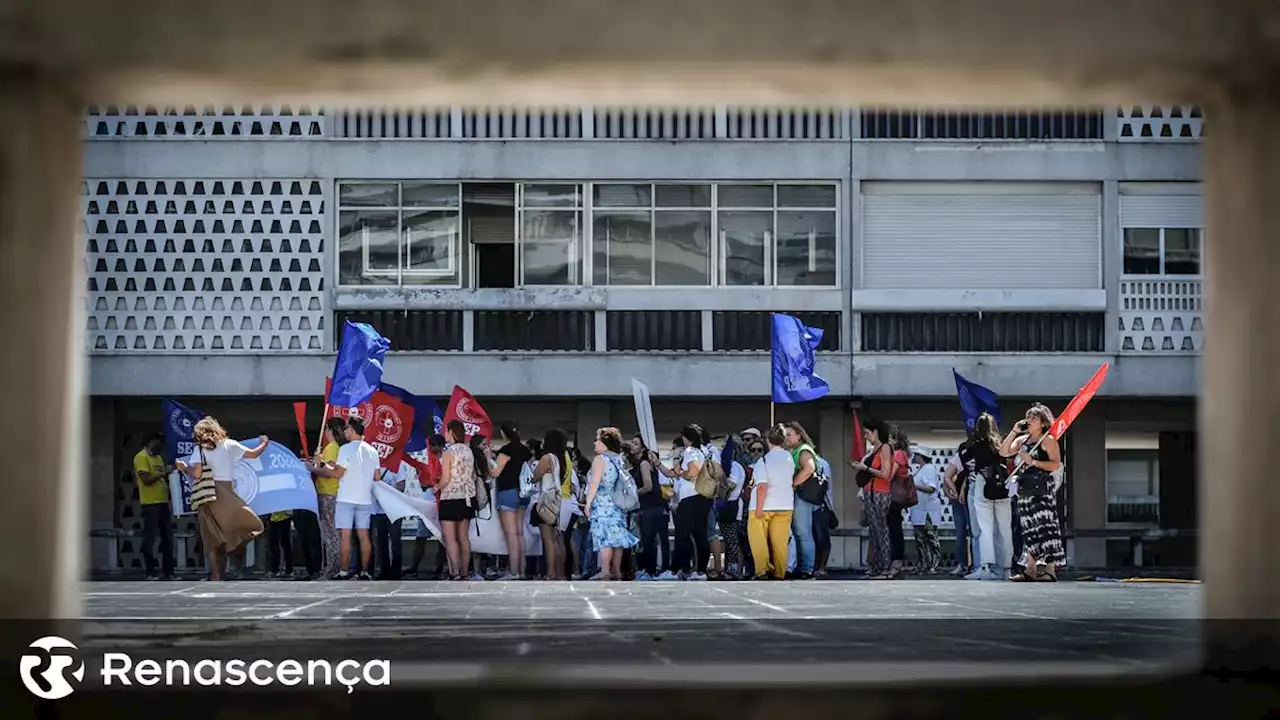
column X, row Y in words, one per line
column 668, row 575
column 306, row 577
column 504, row 577
column 643, row 576
column 958, row 571
column 364, row 576
column 476, row 577
column 342, row 575
column 696, row 576
column 979, row 574
column 153, row 577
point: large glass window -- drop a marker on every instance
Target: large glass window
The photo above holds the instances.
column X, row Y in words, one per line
column 647, row 234
column 765, row 234
column 398, row 233
column 1162, row 251
column 782, row 234
column 551, row 234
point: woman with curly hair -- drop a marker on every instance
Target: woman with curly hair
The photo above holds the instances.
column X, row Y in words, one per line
column 1041, row 459
column 226, row 522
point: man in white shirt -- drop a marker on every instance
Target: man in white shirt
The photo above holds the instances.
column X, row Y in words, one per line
column 357, row 466
column 927, row 511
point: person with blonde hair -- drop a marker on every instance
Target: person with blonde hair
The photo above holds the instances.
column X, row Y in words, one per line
column 226, row 522
column 609, row 533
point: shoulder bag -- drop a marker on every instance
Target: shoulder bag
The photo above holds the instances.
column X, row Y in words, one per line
column 205, row 489
column 549, row 496
column 814, row 490
column 625, row 494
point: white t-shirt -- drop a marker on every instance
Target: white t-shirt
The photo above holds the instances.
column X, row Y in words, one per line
column 738, row 478
column 220, row 459
column 775, row 471
column 685, row 488
column 927, row 503
column 360, row 460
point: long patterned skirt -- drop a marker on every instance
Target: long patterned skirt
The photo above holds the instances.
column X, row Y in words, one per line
column 878, row 523
column 1041, row 529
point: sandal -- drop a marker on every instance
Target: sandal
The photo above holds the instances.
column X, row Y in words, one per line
column 1046, row 576
column 1022, row 577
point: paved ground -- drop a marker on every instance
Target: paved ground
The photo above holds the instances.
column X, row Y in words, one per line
column 594, row 625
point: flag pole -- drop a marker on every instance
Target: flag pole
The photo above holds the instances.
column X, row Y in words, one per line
column 770, row 414
column 324, row 417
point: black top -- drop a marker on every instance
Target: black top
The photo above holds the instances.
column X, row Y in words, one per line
column 653, row 498
column 978, row 457
column 517, row 455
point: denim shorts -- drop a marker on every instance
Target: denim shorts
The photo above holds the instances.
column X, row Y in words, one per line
column 511, row 500
column 349, row 516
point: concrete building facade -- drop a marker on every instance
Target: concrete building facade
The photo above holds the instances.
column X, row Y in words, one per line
column 543, row 258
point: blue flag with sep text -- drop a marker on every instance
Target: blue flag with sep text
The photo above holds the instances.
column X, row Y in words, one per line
column 358, row 371
column 975, row 400
column 793, row 347
column 426, row 416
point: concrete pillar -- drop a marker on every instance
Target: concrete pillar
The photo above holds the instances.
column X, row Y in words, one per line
column 592, row 414
column 42, row 539
column 1086, row 445
column 103, row 472
column 1112, row 251
column 1240, row 399
column 832, row 437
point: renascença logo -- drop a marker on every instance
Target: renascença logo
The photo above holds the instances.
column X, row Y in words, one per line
column 120, row 669
column 55, row 686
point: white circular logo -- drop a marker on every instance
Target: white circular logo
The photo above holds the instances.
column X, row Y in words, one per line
column 387, row 426
column 54, row 685
column 244, row 480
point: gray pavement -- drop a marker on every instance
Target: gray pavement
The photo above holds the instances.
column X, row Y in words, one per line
column 614, row 624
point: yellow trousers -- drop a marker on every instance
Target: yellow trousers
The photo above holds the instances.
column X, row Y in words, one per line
column 772, row 532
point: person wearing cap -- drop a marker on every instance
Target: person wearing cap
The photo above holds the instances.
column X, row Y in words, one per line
column 927, row 510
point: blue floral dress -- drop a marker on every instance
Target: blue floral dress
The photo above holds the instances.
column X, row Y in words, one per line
column 608, row 524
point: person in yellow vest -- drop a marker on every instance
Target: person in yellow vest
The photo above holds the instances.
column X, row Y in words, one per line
column 326, row 478
column 151, row 473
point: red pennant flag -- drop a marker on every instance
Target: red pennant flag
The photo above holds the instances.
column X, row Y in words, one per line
column 300, row 414
column 387, row 423
column 464, row 406
column 858, row 448
column 1077, row 403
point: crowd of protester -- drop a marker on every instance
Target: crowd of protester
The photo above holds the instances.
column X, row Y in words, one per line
column 752, row 506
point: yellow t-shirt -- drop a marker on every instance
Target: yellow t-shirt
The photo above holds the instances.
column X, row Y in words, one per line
column 156, row 492
column 328, row 485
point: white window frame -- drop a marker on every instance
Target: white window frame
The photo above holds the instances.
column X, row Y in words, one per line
column 579, row 270
column 402, row 243
column 1162, row 274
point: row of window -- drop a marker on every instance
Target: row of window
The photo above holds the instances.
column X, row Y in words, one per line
column 615, row 234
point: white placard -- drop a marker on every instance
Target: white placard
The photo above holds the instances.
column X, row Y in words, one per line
column 644, row 413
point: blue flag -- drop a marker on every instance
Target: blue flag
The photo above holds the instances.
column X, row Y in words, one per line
column 793, row 361
column 179, row 426
column 275, row 481
column 358, row 371
column 975, row 400
column 427, row 417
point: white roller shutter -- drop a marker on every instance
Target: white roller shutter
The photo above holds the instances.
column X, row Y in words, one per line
column 988, row 236
column 1161, row 205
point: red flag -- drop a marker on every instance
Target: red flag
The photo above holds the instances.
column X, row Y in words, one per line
column 1077, row 403
column 858, row 449
column 387, row 422
column 300, row 414
column 464, row 406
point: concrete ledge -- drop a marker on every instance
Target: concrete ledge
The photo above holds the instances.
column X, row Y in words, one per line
column 688, row 375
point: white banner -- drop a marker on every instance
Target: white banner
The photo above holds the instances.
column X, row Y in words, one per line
column 397, row 505
column 644, row 413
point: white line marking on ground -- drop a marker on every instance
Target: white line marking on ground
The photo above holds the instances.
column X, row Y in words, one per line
column 595, row 612
column 753, row 601
column 300, row 608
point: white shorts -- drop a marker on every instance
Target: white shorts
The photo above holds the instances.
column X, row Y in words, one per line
column 349, row 516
